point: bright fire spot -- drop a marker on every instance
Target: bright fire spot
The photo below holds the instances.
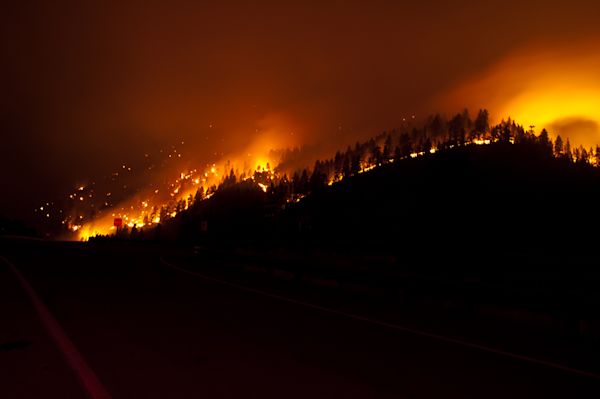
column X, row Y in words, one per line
column 263, row 187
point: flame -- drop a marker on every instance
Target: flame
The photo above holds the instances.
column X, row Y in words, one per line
column 140, row 210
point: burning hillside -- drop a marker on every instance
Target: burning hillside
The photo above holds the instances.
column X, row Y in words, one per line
column 153, row 190
column 154, row 194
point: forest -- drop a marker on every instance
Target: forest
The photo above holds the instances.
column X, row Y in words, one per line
column 459, row 185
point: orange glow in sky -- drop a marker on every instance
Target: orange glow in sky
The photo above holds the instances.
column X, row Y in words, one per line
column 557, row 89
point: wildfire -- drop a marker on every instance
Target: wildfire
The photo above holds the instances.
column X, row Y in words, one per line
column 157, row 204
column 552, row 87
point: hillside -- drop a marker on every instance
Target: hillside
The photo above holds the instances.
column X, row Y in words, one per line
column 497, row 199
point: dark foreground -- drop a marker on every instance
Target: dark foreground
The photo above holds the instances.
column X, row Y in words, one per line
column 147, row 330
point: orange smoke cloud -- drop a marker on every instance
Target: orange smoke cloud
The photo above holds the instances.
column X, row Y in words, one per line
column 554, row 88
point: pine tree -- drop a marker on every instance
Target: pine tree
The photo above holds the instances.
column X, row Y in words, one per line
column 568, row 153
column 558, row 147
column 545, row 141
column 387, row 148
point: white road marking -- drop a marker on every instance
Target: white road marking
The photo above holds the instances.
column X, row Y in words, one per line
column 88, row 379
column 391, row 325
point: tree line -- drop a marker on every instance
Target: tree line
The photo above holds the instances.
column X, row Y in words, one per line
column 437, row 133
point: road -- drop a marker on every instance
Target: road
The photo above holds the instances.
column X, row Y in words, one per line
column 149, row 331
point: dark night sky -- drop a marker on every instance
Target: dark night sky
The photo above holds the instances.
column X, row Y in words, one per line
column 83, row 85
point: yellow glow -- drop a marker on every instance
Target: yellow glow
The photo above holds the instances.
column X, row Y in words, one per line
column 551, row 87
column 547, row 106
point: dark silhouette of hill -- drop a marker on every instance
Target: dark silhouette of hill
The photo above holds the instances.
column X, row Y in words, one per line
column 455, row 225
column 450, row 190
column 471, row 201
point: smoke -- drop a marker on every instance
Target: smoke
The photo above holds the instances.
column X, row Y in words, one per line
column 578, row 130
column 554, row 87
column 88, row 87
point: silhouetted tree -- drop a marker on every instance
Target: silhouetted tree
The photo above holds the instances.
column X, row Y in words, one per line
column 581, row 155
column 295, row 183
column 456, row 129
column 347, row 163
column 199, row 195
column 482, row 122
column 318, row 179
column 404, row 146
column 377, row 155
column 387, row 148
column 520, row 135
column 545, row 142
column 338, row 163
column 304, row 185
column 230, row 180
column 134, row 232
column 558, row 147
column 355, row 162
column 568, row 153
column 437, row 126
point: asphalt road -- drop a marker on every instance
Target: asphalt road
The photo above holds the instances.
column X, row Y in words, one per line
column 149, row 331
